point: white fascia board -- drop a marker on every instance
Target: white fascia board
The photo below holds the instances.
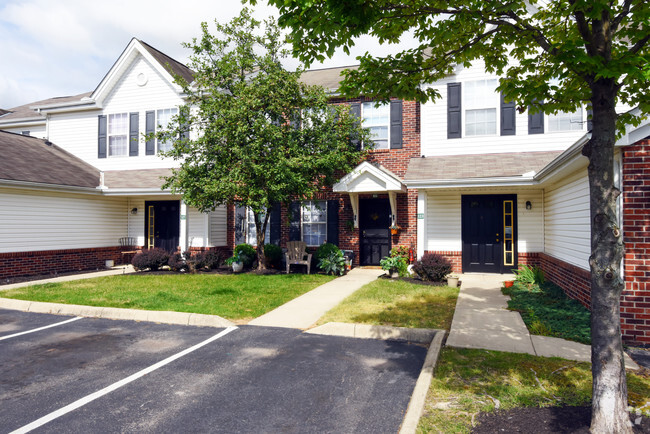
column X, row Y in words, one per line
column 510, row 181
column 69, row 107
column 392, row 183
column 27, row 185
column 23, row 122
column 634, row 134
column 135, row 192
column 572, row 151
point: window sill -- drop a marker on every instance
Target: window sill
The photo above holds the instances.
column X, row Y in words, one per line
column 378, row 151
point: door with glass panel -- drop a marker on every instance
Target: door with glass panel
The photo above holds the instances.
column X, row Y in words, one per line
column 489, row 233
column 374, row 224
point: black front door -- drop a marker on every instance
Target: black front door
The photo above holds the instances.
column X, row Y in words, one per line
column 374, row 223
column 489, row 233
column 162, row 224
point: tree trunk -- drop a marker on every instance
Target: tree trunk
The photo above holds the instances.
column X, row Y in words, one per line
column 260, row 227
column 609, row 400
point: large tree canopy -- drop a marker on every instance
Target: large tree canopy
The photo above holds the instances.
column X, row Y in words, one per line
column 261, row 136
column 564, row 53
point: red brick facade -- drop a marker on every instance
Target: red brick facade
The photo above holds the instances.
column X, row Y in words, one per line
column 635, row 302
column 17, row 264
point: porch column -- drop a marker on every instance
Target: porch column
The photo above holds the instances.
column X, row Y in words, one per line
column 182, row 239
column 392, row 198
column 354, row 201
column 422, row 223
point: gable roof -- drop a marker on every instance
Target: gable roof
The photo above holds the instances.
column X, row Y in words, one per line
column 172, row 65
column 27, row 112
column 28, row 159
column 329, row 78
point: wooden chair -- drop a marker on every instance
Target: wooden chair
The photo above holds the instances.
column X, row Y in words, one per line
column 128, row 245
column 296, row 254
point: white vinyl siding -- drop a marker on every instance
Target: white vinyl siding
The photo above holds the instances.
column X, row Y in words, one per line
column 37, row 131
column 444, row 219
column 566, row 220
column 434, row 125
column 218, row 226
column 36, row 221
column 77, row 132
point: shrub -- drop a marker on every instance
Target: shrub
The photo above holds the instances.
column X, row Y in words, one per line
column 393, row 264
column 246, row 253
column 177, row 262
column 325, row 250
column 213, row 259
column 529, row 275
column 273, row 255
column 334, row 263
column 432, row 267
column 402, row 251
column 151, row 259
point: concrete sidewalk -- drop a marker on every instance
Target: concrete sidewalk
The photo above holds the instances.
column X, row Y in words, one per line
column 481, row 320
column 119, row 269
column 305, row 310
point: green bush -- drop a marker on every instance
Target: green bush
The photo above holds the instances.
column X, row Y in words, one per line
column 402, row 251
column 529, row 275
column 433, row 267
column 273, row 255
column 334, row 263
column 325, row 250
column 177, row 262
column 247, row 254
column 152, row 259
column 393, row 264
column 213, row 259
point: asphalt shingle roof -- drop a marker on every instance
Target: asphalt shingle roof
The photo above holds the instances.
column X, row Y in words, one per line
column 29, row 159
column 133, row 179
column 173, row 66
column 477, row 165
column 26, row 112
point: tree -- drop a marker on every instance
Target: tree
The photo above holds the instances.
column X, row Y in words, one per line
column 263, row 137
column 562, row 52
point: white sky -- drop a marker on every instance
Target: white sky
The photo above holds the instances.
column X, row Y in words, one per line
column 65, row 47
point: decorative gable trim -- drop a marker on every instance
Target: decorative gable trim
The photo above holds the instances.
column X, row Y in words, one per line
column 368, row 178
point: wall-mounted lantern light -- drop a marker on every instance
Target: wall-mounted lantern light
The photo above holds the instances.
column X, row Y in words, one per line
column 529, row 205
column 134, row 211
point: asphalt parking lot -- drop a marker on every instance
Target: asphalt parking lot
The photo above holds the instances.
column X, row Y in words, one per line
column 101, row 375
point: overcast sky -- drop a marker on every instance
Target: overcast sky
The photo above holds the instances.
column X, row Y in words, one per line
column 65, row 47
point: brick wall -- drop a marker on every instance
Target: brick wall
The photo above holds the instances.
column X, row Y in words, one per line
column 635, row 301
column 456, row 259
column 575, row 281
column 19, row 264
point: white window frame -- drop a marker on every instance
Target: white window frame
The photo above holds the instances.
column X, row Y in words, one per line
column 250, row 237
column 476, row 97
column 173, row 111
column 109, row 121
column 556, row 119
column 371, row 105
column 308, row 206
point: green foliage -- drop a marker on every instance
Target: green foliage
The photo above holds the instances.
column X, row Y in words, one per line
column 151, row 259
column 273, row 255
column 246, row 253
column 394, row 264
column 402, row 251
column 547, row 311
column 433, row 267
column 529, row 275
column 258, row 134
column 233, row 259
column 333, row 263
column 325, row 250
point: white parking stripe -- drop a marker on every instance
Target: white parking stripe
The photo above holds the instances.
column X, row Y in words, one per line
column 40, row 328
column 93, row 396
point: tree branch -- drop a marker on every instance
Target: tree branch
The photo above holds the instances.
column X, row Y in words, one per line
column 625, row 11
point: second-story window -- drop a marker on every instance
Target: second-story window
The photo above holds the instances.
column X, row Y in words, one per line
column 118, row 134
column 565, row 121
column 480, row 102
column 377, row 119
column 163, row 117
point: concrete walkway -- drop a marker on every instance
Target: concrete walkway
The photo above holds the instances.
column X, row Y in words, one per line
column 304, row 311
column 119, row 269
column 481, row 320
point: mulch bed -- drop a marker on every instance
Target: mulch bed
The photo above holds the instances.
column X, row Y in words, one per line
column 545, row 420
column 415, row 280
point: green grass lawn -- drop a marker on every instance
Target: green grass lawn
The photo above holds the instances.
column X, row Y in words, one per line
column 397, row 303
column 467, row 382
column 236, row 297
column 547, row 311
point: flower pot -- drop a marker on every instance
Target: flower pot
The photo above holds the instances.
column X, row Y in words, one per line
column 237, row 267
column 508, row 283
column 452, row 281
column 394, row 274
column 394, row 231
column 109, row 263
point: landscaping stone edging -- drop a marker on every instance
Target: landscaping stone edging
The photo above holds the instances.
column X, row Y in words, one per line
column 164, row 317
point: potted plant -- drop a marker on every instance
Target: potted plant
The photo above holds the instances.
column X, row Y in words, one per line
column 395, row 266
column 452, row 280
column 235, row 262
column 394, row 229
column 508, row 283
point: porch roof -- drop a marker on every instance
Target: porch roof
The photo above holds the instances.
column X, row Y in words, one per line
column 135, row 179
column 475, row 167
column 27, row 159
column 369, row 178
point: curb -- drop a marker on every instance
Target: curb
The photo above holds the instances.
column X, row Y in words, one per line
column 365, row 331
column 164, row 317
column 419, row 395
